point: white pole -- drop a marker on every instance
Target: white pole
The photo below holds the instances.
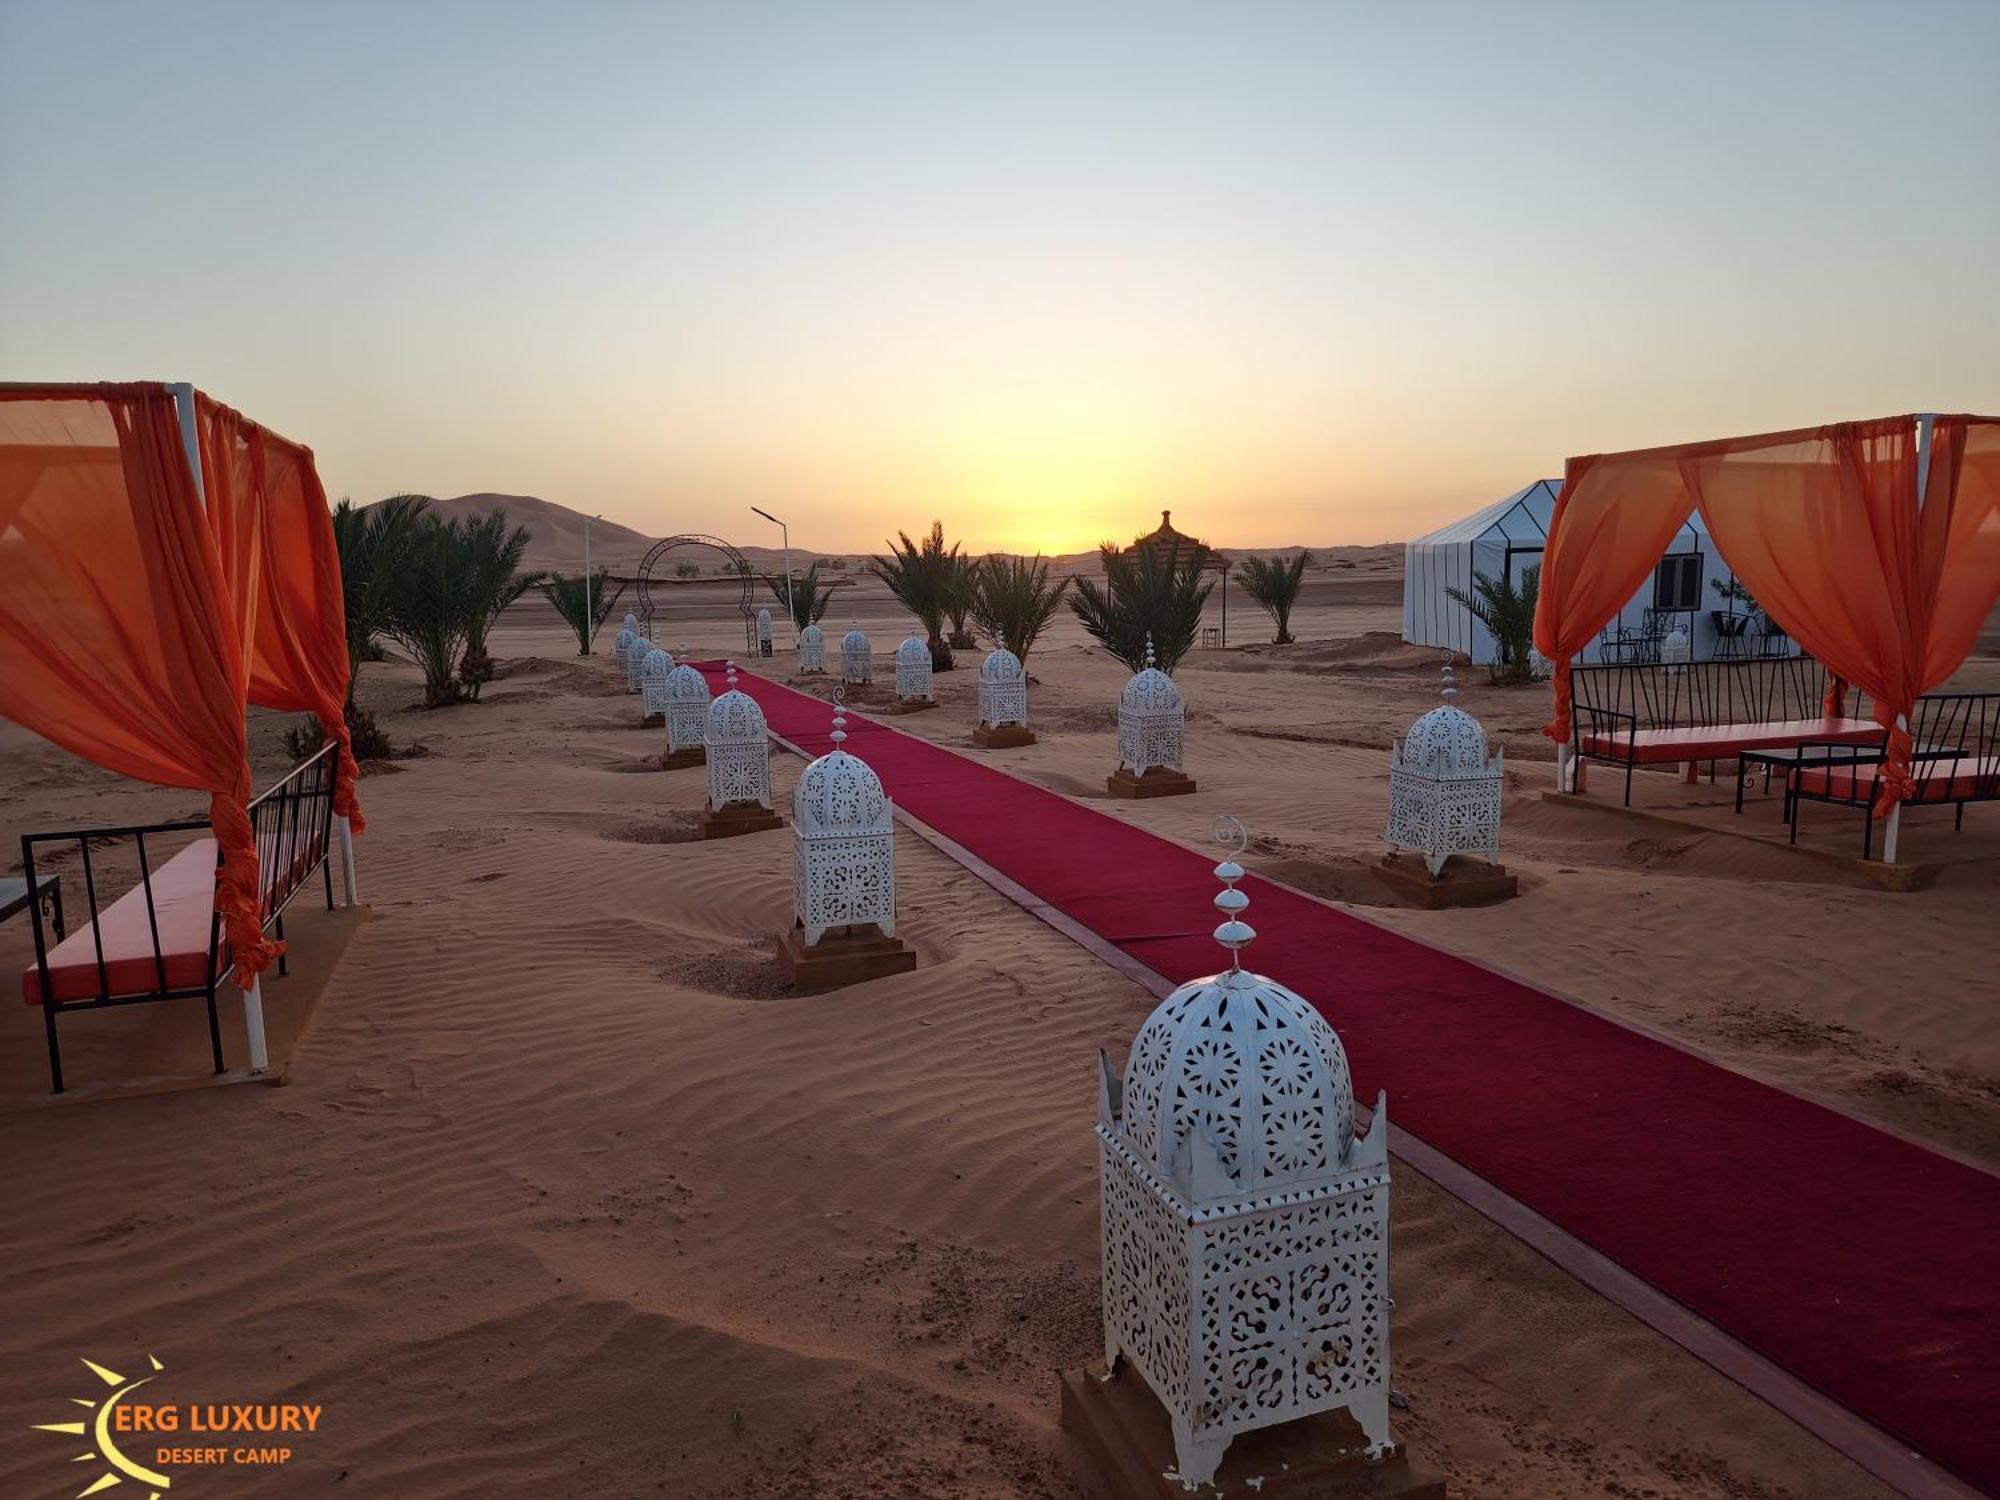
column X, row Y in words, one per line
column 350, row 880
column 589, row 605
column 253, row 1026
column 785, row 532
column 1924, row 424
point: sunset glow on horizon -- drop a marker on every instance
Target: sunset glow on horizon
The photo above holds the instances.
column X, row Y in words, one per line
column 1302, row 273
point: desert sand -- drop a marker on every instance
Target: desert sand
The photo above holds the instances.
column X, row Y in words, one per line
column 564, row 1196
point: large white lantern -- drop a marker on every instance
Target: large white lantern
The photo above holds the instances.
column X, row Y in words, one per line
column 634, row 659
column 913, row 671
column 631, row 622
column 1245, row 1224
column 1444, row 792
column 653, row 669
column 812, row 649
column 1152, row 727
column 687, row 714
column 843, row 844
column 856, row 667
column 763, row 632
column 738, row 743
column 1003, row 699
column 621, row 643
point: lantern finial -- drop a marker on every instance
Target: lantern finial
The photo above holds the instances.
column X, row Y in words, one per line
column 839, row 735
column 1149, row 648
column 1449, row 690
column 1234, row 934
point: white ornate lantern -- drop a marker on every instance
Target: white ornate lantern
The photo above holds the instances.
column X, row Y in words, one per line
column 1152, row 721
column 1676, row 650
column 687, row 708
column 654, row 666
column 913, row 671
column 739, row 750
column 634, row 659
column 812, row 649
column 1245, row 1225
column 1444, row 793
column 1003, row 689
column 843, row 843
column 763, row 632
column 620, row 644
column 856, row 668
column 631, row 622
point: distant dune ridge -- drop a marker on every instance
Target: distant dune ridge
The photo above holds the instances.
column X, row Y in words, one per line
column 556, row 542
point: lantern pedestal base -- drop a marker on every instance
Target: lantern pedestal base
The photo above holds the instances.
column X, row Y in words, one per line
column 1002, row 736
column 1160, row 781
column 1124, row 1430
column 846, row 955
column 681, row 759
column 1463, row 881
column 738, row 817
column 910, row 705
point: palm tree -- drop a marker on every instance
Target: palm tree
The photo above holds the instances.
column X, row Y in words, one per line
column 1508, row 613
column 374, row 545
column 1274, row 584
column 1153, row 590
column 923, row 577
column 805, row 598
column 1013, row 600
column 431, row 610
column 962, row 600
column 571, row 599
column 496, row 582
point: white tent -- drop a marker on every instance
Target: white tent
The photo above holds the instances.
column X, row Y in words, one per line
column 1503, row 540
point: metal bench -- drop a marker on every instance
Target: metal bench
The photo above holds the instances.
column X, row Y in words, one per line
column 1957, row 761
column 162, row 939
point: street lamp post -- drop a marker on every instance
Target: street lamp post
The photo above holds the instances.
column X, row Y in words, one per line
column 786, row 532
column 589, row 601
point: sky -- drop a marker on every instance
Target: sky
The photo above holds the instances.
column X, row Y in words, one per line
column 1317, row 273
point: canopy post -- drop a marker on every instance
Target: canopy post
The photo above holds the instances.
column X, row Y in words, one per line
column 350, row 880
column 1893, row 825
column 183, row 393
column 253, row 1026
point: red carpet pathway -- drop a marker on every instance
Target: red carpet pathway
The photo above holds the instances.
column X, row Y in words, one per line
column 1865, row 1265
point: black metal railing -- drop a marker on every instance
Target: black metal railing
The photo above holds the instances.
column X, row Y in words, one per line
column 1954, row 759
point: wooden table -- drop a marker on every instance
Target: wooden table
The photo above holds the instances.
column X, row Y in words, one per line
column 15, row 896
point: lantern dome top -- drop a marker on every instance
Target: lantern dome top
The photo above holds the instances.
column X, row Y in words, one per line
column 764, row 615
column 855, row 639
column 1001, row 665
column 734, row 715
column 655, row 665
column 839, row 793
column 1236, row 1084
column 686, row 685
column 812, row 635
column 1149, row 690
column 1447, row 740
column 631, row 621
column 913, row 653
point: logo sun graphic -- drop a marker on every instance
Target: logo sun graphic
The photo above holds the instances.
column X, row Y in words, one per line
column 98, row 1429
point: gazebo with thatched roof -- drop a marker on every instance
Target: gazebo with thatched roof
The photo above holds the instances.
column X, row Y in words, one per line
column 1167, row 538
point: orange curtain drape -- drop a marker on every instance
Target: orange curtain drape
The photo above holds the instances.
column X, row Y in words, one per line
column 275, row 534
column 1823, row 527
column 121, row 640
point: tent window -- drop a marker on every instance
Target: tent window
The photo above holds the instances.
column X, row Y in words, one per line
column 1677, row 583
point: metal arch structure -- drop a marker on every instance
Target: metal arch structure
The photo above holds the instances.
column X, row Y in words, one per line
column 737, row 561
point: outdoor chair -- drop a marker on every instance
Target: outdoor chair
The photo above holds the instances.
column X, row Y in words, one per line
column 1956, row 760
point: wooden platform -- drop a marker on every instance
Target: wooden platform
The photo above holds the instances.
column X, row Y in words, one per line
column 846, row 955
column 736, row 819
column 1160, row 781
column 1002, row 736
column 1462, row 882
column 1123, row 1429
column 680, row 760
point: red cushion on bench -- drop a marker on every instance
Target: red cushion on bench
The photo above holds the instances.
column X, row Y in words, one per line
column 183, row 903
column 1720, row 741
column 1969, row 777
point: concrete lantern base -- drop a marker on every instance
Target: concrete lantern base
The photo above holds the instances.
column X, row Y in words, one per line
column 1464, row 881
column 1160, row 781
column 1123, row 1429
column 846, row 955
column 679, row 760
column 737, row 818
column 1002, row 736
